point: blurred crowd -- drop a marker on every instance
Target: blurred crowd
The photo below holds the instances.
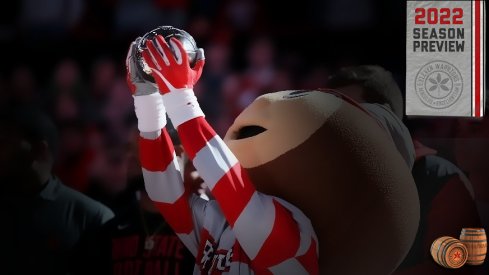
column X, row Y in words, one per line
column 67, row 58
column 88, row 98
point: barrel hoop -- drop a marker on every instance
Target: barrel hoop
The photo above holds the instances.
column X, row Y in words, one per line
column 438, row 250
column 473, row 234
column 474, row 241
column 439, row 246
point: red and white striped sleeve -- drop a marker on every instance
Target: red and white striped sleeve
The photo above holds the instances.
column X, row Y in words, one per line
column 164, row 185
column 275, row 235
column 162, row 177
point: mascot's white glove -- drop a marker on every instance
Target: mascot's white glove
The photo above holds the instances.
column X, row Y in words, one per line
column 148, row 103
column 175, row 78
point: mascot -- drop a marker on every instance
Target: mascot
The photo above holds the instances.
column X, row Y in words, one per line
column 305, row 182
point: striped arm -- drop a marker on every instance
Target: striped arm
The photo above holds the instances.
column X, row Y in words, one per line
column 164, row 185
column 270, row 233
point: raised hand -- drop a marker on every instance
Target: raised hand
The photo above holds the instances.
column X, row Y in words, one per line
column 135, row 80
column 148, row 104
column 172, row 71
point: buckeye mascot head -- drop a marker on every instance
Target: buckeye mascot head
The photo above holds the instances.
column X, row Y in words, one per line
column 334, row 161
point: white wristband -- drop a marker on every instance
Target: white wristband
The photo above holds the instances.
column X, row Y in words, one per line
column 182, row 106
column 150, row 112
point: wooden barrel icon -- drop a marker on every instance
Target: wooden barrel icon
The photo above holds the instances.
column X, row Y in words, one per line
column 449, row 252
column 476, row 242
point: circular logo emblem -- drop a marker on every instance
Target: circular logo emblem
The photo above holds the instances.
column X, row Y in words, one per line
column 438, row 84
column 456, row 257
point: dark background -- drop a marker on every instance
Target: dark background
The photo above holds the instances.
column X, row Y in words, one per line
column 67, row 57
